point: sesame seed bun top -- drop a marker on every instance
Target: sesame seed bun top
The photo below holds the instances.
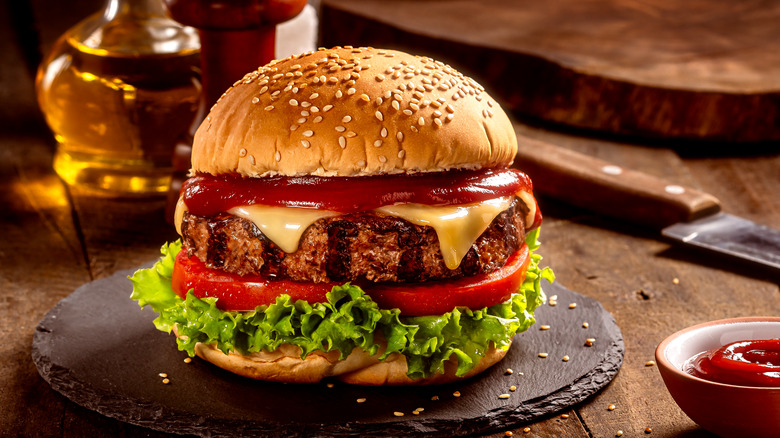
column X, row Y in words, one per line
column 353, row 111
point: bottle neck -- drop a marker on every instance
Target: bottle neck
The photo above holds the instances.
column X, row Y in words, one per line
column 133, row 9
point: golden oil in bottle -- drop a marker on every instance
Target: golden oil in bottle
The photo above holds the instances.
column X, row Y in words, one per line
column 119, row 90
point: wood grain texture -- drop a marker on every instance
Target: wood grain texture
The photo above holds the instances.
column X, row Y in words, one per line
column 665, row 69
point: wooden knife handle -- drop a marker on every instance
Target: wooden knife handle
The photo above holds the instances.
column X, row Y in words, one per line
column 609, row 189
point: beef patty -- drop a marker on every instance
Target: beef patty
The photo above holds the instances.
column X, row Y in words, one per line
column 350, row 247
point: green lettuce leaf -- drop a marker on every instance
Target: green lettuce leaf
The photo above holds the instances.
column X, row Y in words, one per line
column 347, row 320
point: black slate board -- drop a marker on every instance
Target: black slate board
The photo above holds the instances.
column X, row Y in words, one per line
column 98, row 348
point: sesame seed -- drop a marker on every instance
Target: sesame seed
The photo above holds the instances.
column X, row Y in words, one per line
column 611, row 407
column 649, row 363
column 676, row 280
column 378, row 143
column 308, row 133
column 585, row 325
column 565, row 416
column 378, row 101
column 382, row 159
column 251, row 160
column 166, row 381
column 526, row 430
column 293, row 127
column 619, row 433
column 589, row 342
column 327, row 108
column 163, row 375
column 187, row 359
column 255, row 99
column 361, row 400
column 396, row 106
column 414, row 106
column 398, row 97
column 503, row 396
column 342, row 142
column 346, row 119
column 543, row 355
column 339, row 94
column 242, row 152
column 365, row 98
column 278, row 156
column 293, row 102
column 509, row 371
column 361, row 163
column 333, row 80
column 428, row 87
column 398, row 414
column 438, row 123
column 314, row 95
column 379, row 116
column 513, row 388
column 572, row 305
column 380, row 77
column 414, row 129
column 508, row 433
column 408, row 112
column 383, row 132
column 648, row 430
column 351, row 91
column 301, row 120
column 456, row 394
column 306, row 143
column 340, row 128
column 350, row 134
column 399, row 136
column 565, row 358
column 437, row 113
column 269, row 107
column 276, row 93
column 305, row 104
column 544, row 327
column 421, row 121
column 401, row 153
column 317, row 119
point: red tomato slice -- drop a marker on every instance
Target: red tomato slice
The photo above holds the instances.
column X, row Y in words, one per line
column 235, row 292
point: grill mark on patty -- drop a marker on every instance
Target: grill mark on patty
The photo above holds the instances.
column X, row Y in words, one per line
column 360, row 246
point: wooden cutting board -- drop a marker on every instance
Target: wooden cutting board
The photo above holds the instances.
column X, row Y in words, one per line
column 99, row 349
column 690, row 69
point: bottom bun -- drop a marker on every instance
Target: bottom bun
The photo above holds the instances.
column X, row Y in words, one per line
column 359, row 368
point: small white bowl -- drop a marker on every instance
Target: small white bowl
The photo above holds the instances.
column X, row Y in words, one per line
column 726, row 410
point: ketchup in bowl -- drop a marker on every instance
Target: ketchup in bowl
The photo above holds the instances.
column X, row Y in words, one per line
column 744, row 363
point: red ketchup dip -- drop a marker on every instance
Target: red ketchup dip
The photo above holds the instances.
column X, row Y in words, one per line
column 744, row 363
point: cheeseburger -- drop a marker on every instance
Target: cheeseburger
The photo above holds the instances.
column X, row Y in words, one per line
column 351, row 213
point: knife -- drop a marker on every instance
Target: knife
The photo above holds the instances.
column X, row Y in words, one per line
column 681, row 213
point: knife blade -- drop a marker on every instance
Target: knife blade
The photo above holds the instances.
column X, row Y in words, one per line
column 684, row 214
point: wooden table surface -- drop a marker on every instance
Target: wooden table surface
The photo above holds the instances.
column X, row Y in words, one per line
column 55, row 238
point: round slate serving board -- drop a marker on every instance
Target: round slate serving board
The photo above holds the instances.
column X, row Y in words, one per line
column 98, row 348
column 701, row 70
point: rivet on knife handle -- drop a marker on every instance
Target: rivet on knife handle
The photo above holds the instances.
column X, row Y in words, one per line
column 609, row 189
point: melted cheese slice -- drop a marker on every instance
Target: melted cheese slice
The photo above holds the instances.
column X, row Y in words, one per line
column 457, row 226
column 283, row 225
